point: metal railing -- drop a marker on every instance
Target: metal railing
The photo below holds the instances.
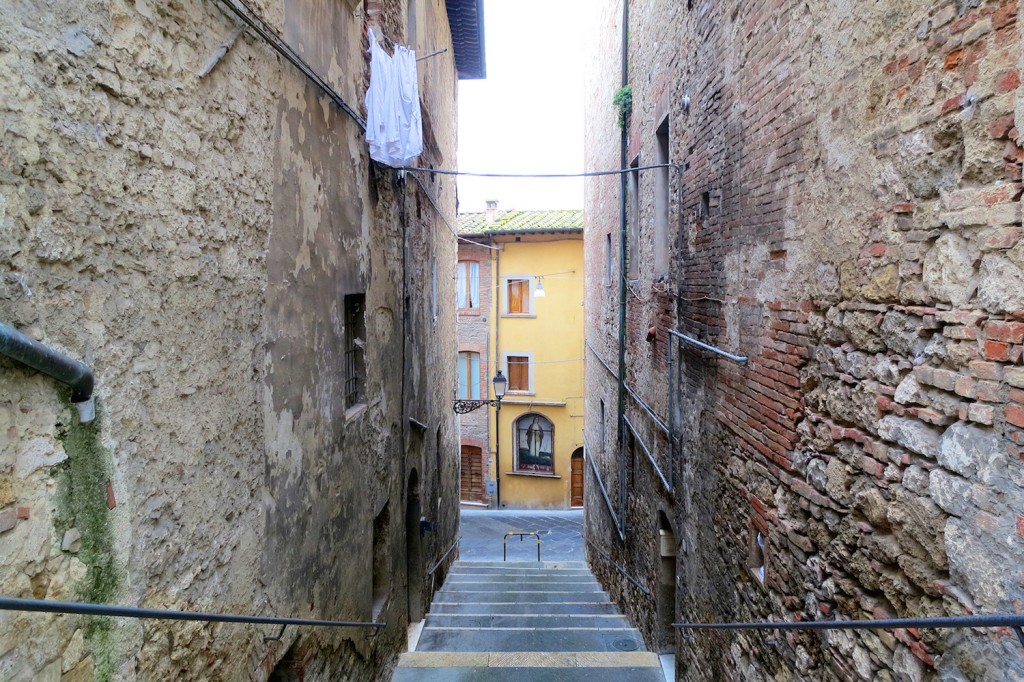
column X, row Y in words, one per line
column 75, row 608
column 1006, row 620
column 504, row 544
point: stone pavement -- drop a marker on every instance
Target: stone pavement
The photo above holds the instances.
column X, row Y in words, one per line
column 546, row 621
column 561, row 534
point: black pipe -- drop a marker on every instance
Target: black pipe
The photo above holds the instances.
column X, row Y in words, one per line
column 61, row 367
column 46, row 606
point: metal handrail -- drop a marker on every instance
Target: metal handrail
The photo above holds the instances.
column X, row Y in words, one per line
column 701, row 344
column 600, row 485
column 444, row 556
column 647, row 408
column 504, row 544
column 47, row 606
column 620, row 569
column 1010, row 620
column 650, row 457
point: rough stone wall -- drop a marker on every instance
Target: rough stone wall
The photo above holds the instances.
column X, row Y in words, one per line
column 192, row 239
column 847, row 213
column 474, row 336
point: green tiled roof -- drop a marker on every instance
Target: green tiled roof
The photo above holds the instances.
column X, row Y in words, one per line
column 521, row 221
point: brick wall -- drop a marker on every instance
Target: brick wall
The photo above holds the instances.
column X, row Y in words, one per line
column 847, row 214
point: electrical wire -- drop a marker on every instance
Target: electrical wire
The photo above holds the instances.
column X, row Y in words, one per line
column 585, row 174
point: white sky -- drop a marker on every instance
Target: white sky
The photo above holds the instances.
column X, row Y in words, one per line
column 527, row 115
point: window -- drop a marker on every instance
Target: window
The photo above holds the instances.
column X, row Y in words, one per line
column 661, row 203
column 469, row 376
column 518, row 296
column 608, row 271
column 355, row 345
column 467, row 278
column 519, row 373
column 433, row 286
column 601, row 442
column 633, row 255
column 534, row 444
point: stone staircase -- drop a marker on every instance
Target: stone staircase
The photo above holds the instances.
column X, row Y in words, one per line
column 526, row 621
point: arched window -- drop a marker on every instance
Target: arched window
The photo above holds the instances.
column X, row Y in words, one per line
column 535, row 439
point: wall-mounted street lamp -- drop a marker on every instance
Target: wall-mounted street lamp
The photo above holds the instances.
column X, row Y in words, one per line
column 500, row 384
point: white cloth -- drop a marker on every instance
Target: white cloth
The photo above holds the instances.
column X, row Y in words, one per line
column 394, row 127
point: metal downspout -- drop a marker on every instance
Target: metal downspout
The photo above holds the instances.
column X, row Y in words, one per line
column 497, row 361
column 623, row 153
column 61, row 367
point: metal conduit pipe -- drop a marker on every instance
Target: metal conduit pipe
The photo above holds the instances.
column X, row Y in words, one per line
column 647, row 408
column 61, row 367
column 623, row 164
column 701, row 344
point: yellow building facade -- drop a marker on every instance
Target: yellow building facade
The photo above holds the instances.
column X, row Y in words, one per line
column 536, row 340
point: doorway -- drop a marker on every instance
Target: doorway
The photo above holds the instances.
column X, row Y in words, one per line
column 668, row 549
column 472, row 475
column 576, row 480
column 414, row 549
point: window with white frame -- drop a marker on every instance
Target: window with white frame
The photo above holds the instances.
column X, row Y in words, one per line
column 519, row 372
column 469, row 376
column 467, row 283
column 535, row 438
column 517, row 295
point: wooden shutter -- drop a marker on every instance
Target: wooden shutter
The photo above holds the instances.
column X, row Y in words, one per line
column 518, row 373
column 518, row 296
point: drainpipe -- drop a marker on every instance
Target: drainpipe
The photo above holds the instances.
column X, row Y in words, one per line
column 64, row 369
column 623, row 153
column 496, row 313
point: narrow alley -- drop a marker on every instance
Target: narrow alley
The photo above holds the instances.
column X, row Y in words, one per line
column 473, row 339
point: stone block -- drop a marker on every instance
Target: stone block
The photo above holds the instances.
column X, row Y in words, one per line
column 72, row 541
column 949, row 270
column 951, row 493
column 965, row 448
column 911, row 434
column 1001, row 284
column 8, row 520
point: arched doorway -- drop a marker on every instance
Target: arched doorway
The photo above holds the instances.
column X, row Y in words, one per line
column 576, row 479
column 668, row 549
column 414, row 549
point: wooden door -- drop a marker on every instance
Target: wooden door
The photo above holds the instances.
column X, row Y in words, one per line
column 576, row 496
column 472, row 474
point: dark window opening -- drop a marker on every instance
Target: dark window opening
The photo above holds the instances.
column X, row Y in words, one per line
column 633, row 255
column 661, row 201
column 381, row 557
column 355, row 349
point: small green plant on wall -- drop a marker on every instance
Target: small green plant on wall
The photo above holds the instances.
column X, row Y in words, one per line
column 623, row 99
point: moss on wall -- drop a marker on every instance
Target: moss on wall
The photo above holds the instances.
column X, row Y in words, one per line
column 82, row 504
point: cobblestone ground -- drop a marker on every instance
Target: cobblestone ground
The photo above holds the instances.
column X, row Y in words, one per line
column 560, row 532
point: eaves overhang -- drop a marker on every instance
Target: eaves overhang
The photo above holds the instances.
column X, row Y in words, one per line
column 466, row 18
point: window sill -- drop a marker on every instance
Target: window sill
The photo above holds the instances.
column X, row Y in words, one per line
column 531, row 474
column 515, row 393
column 469, row 312
column 354, row 412
column 522, row 315
column 538, row 403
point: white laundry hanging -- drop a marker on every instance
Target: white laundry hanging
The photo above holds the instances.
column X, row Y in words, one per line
column 394, row 127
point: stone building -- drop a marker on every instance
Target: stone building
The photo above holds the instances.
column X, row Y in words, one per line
column 267, row 315
column 530, row 327
column 840, row 214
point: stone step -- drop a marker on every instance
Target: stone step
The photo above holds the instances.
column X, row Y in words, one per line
column 553, row 577
column 541, row 608
column 511, row 620
column 520, row 586
column 539, row 666
column 522, row 565
column 520, row 596
column 529, row 639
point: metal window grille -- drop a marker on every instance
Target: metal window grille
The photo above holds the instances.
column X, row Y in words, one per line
column 355, row 341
